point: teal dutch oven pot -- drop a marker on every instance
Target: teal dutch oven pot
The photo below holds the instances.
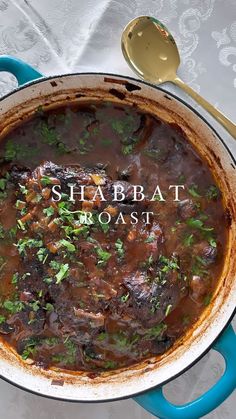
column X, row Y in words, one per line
column 143, row 382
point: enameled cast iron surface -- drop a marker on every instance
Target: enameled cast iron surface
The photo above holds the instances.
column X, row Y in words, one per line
column 124, row 383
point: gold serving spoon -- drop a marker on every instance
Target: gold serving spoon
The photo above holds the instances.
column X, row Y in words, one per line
column 151, row 51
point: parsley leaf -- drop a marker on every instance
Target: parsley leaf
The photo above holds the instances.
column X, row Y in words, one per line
column 22, row 244
column 45, row 180
column 103, row 255
column 189, row 240
column 13, row 306
column 193, row 191
column 48, row 211
column 212, row 192
column 119, row 245
column 69, row 246
column 155, row 331
column 198, row 224
column 63, row 273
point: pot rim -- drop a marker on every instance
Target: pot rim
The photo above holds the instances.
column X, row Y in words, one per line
column 202, row 118
column 97, row 73
column 138, row 393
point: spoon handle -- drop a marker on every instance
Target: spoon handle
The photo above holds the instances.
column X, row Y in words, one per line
column 219, row 116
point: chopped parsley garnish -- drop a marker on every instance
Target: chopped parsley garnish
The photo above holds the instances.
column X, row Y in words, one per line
column 35, row 305
column 198, row 224
column 10, row 152
column 105, row 227
column 155, row 331
column 194, row 223
column 127, row 149
column 51, row 341
column 42, row 254
column 84, row 219
column 16, row 151
column 110, row 364
column 124, row 298
column 185, row 320
column 193, row 191
column 71, row 348
column 155, row 304
column 181, row 178
column 15, row 278
column 68, row 245
column 2, row 319
column 154, row 153
column 212, row 242
column 167, row 265
column 40, row 110
column 23, row 189
column 49, row 307
column 63, row 273
column 150, row 239
column 63, row 148
column 119, row 246
column 3, row 183
column 48, row 211
column 102, row 336
column 22, row 245
column 2, row 232
column 24, row 276
column 30, row 348
column 84, row 230
column 198, row 266
column 124, row 342
column 21, row 225
column 168, row 309
column 20, row 204
column 207, row 299
column 189, row 240
column 212, row 192
column 3, row 195
column 55, row 265
column 2, row 263
column 102, row 255
column 148, row 262
column 70, row 356
column 123, row 126
column 13, row 306
column 49, row 134
column 45, row 180
column 12, row 232
column 48, row 280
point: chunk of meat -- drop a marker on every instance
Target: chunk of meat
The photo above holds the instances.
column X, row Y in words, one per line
column 186, row 209
column 207, row 252
column 198, row 288
column 96, row 319
column 124, row 192
column 6, row 328
column 151, row 298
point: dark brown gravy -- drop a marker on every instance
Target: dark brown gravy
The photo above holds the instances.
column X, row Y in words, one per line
column 89, row 297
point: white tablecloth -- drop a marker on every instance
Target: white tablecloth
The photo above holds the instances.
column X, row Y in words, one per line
column 60, row 36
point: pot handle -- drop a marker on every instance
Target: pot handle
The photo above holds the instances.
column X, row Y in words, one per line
column 155, row 402
column 23, row 72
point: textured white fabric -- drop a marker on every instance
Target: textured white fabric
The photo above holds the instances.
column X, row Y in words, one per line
column 60, row 36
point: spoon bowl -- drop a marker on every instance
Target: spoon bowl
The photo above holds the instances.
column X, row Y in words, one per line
column 150, row 50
